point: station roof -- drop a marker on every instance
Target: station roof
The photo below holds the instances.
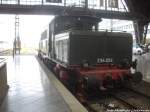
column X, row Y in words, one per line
column 141, row 7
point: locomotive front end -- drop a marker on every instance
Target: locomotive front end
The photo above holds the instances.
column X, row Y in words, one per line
column 102, row 59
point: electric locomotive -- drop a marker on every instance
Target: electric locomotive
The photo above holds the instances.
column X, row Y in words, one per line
column 85, row 59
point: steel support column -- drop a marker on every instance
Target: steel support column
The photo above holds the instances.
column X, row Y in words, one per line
column 18, row 2
column 145, row 33
column 105, row 4
column 17, row 37
column 86, row 4
column 140, row 28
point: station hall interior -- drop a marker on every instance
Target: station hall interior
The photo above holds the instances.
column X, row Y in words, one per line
column 74, row 56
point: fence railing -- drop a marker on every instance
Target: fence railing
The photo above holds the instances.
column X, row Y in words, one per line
column 5, row 52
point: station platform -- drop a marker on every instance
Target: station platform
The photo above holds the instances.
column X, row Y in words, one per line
column 33, row 88
column 143, row 65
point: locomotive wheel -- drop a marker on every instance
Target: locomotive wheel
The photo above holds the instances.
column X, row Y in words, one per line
column 85, row 83
column 137, row 77
column 51, row 65
column 118, row 83
column 56, row 71
column 126, row 81
column 91, row 84
column 63, row 76
column 109, row 83
column 72, row 81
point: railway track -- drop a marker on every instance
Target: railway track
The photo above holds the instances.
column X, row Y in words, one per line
column 125, row 100
column 134, row 98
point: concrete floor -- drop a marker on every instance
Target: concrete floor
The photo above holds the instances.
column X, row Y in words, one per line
column 30, row 90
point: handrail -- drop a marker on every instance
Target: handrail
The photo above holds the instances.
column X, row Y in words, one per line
column 4, row 52
column 99, row 30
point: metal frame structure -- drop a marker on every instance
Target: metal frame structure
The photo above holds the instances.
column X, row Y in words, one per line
column 92, row 4
column 100, row 8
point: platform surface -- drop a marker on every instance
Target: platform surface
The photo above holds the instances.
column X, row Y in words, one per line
column 143, row 65
column 30, row 88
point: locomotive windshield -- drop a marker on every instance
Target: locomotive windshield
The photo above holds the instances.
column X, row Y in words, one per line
column 64, row 23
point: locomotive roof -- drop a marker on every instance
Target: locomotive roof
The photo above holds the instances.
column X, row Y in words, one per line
column 76, row 16
column 81, row 17
column 96, row 33
column 123, row 34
